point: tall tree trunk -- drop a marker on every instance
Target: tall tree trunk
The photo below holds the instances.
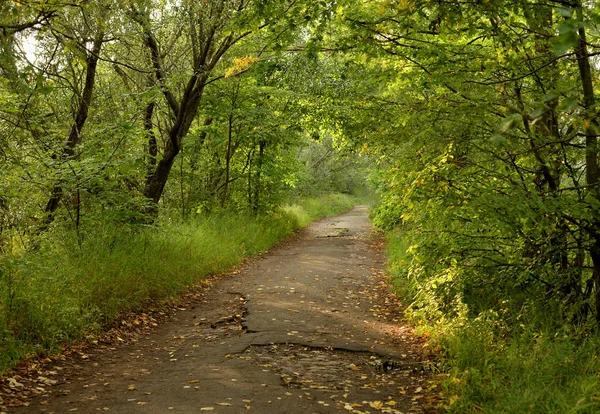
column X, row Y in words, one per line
column 183, row 111
column 257, row 187
column 250, row 180
column 151, row 137
column 74, row 139
column 227, row 162
column 208, row 45
column 592, row 172
column 155, row 183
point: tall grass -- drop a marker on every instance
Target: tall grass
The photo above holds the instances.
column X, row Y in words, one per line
column 494, row 364
column 532, row 372
column 68, row 288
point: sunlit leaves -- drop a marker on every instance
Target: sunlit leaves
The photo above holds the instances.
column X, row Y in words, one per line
column 484, row 158
column 240, row 65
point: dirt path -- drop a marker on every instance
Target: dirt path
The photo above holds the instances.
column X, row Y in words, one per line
column 304, row 329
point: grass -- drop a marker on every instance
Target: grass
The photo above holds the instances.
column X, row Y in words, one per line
column 492, row 366
column 529, row 373
column 67, row 289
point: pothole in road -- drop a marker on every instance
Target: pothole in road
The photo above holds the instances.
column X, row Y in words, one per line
column 337, row 232
column 334, row 369
column 355, row 381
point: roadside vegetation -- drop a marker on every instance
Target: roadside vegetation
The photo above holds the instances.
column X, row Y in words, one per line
column 66, row 289
column 130, row 136
column 499, row 361
column 489, row 192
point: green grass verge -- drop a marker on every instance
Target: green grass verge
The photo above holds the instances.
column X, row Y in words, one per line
column 491, row 365
column 66, row 290
column 528, row 373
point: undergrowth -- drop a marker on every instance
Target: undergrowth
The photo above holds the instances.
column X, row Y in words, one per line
column 72, row 286
column 493, row 363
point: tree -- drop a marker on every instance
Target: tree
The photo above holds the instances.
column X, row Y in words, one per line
column 492, row 155
column 205, row 33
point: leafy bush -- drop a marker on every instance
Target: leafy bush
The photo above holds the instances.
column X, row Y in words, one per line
column 496, row 360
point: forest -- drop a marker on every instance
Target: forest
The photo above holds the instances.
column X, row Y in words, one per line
column 146, row 144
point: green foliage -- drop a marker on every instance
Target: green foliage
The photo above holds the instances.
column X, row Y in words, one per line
column 483, row 163
column 497, row 361
column 487, row 174
column 83, row 133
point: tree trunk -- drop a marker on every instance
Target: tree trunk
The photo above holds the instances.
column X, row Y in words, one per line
column 257, row 186
column 152, row 144
column 155, row 184
column 227, row 162
column 592, row 173
column 81, row 116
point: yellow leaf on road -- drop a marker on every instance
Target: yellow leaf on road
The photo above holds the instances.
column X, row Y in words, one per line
column 378, row 405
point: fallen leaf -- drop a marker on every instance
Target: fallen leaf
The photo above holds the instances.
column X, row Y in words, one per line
column 47, row 381
column 13, row 383
column 378, row 405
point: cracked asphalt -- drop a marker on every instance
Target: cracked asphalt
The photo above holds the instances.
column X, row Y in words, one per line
column 307, row 328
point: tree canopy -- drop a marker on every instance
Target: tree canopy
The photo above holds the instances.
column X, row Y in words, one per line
column 478, row 122
column 490, row 152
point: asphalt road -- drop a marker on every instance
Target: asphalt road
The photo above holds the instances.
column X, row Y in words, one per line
column 307, row 328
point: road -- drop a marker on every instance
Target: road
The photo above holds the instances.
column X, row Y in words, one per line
column 306, row 328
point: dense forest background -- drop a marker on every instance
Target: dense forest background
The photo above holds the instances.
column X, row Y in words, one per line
column 132, row 130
